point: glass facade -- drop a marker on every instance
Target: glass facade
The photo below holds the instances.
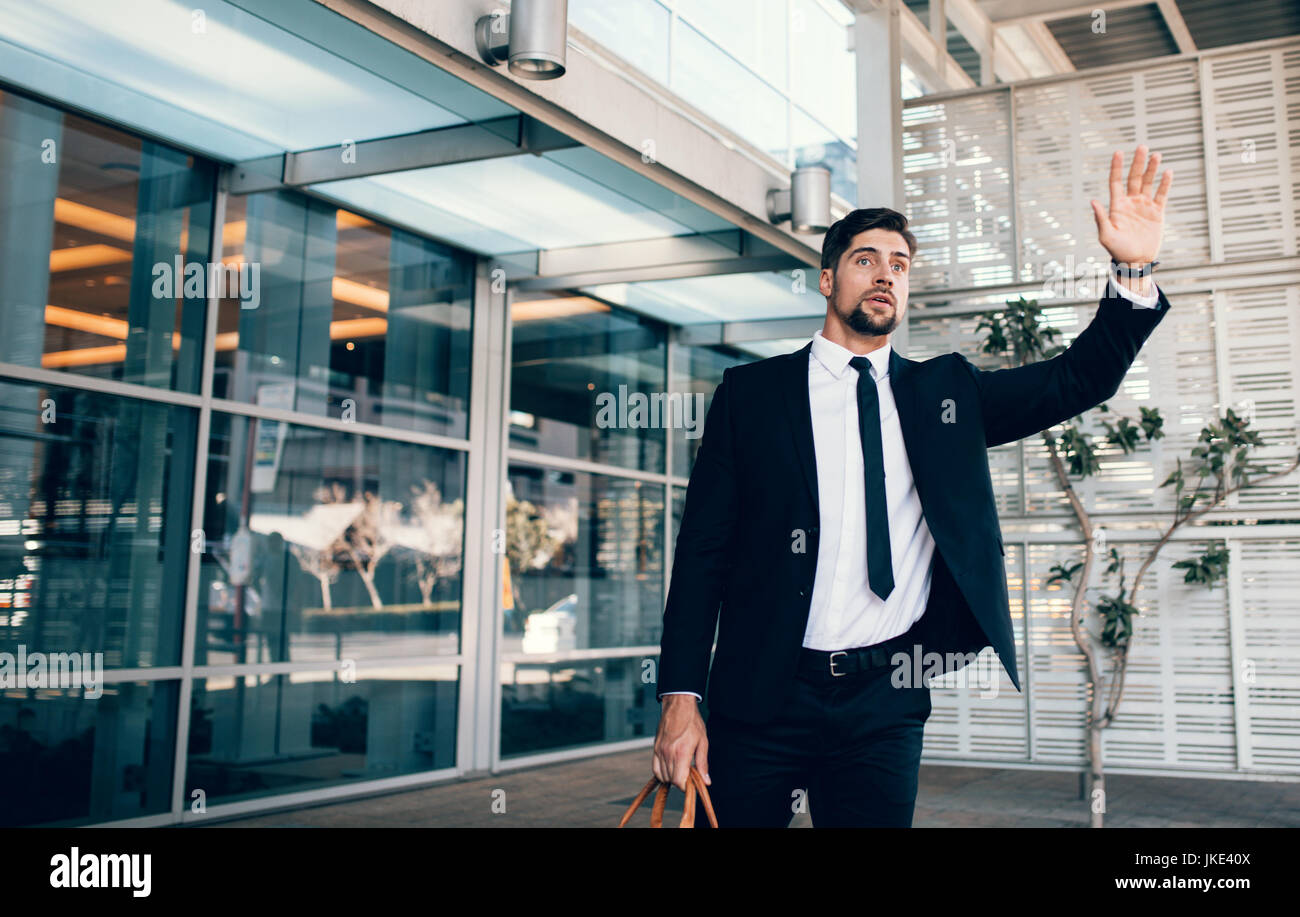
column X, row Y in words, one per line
column 566, row 353
column 325, row 545
column 329, row 457
column 586, row 557
column 601, row 397
column 549, row 705
column 259, row 735
column 283, row 466
column 67, row 759
column 114, row 216
column 697, row 372
column 351, row 319
column 94, row 537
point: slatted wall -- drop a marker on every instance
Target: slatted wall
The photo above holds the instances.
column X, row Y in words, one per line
column 956, row 165
column 1213, row 679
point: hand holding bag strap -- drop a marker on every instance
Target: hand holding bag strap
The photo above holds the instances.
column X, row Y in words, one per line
column 661, row 800
column 704, row 797
column 694, row 781
column 688, row 811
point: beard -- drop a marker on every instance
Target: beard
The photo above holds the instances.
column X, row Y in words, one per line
column 863, row 318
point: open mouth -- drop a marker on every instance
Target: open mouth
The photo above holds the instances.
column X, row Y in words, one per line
column 882, row 300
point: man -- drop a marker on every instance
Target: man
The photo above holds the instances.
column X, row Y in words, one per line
column 841, row 512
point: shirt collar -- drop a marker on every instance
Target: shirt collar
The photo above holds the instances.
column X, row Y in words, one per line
column 836, row 358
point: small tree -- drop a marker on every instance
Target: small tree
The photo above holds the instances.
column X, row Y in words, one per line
column 1221, row 467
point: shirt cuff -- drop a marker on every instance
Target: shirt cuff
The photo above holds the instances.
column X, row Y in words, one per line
column 1149, row 301
column 691, row 693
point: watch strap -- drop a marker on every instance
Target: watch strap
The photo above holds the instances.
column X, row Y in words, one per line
column 1126, row 270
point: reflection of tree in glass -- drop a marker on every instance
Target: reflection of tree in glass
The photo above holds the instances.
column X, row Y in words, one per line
column 320, row 562
column 367, row 540
column 321, row 565
column 529, row 544
column 435, row 539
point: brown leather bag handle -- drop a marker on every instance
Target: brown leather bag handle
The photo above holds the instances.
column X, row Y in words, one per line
column 694, row 782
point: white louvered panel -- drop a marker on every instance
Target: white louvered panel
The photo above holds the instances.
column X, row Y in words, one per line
column 1253, row 102
column 928, row 338
column 1271, row 610
column 966, row 724
column 1179, row 358
column 1177, row 705
column 1060, row 700
column 1184, row 704
column 1043, row 491
column 1137, row 737
column 1175, row 372
column 1177, row 709
column 957, row 185
column 1263, row 343
column 1066, row 132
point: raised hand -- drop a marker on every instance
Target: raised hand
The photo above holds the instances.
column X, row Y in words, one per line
column 1132, row 229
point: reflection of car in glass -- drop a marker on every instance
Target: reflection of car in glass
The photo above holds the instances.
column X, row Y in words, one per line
column 221, row 613
column 221, row 599
column 554, row 629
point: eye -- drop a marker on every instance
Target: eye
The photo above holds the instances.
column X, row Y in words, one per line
column 899, row 266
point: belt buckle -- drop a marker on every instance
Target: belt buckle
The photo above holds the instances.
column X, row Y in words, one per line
column 833, row 655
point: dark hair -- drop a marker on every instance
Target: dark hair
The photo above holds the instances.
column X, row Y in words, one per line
column 841, row 233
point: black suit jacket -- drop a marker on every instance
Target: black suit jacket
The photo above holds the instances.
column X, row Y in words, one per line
column 755, row 482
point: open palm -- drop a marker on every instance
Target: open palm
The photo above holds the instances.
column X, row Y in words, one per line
column 1132, row 229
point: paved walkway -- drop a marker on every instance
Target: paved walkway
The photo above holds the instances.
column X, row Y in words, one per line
column 594, row 792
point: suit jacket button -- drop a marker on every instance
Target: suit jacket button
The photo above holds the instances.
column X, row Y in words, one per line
column 803, row 592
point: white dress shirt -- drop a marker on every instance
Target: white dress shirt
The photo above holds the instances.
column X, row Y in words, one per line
column 844, row 612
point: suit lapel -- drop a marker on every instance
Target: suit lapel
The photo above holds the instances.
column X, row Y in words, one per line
column 795, row 387
column 799, row 410
column 902, row 383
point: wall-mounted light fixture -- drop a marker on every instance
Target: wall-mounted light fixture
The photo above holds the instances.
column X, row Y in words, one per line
column 807, row 203
column 531, row 37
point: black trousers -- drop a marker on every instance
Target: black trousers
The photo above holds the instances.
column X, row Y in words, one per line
column 848, row 748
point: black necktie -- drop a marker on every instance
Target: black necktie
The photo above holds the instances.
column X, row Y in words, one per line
column 880, row 565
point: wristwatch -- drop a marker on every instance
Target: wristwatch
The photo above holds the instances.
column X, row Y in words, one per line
column 1143, row 271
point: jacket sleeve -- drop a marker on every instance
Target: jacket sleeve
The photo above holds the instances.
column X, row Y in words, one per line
column 1025, row 400
column 700, row 558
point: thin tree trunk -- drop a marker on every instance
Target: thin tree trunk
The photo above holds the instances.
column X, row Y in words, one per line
column 1096, row 775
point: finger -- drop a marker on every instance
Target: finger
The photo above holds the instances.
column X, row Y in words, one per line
column 1098, row 214
column 681, row 771
column 656, row 768
column 1135, row 171
column 1116, row 184
column 1166, row 182
column 702, row 762
column 1149, row 176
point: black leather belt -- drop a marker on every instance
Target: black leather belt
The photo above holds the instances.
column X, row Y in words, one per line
column 837, row 663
